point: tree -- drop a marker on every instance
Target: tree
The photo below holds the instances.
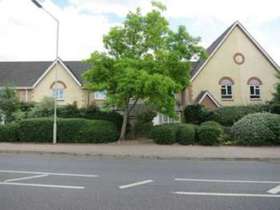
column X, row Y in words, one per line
column 144, row 61
column 8, row 103
column 276, row 95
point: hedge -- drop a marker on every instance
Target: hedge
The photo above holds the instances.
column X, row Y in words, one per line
column 196, row 114
column 209, row 133
column 185, row 134
column 228, row 115
column 164, row 134
column 73, row 130
column 8, row 133
column 72, row 111
column 257, row 129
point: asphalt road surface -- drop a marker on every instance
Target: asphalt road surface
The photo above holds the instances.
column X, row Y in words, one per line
column 40, row 182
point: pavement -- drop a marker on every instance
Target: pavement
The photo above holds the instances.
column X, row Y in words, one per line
column 66, row 182
column 147, row 149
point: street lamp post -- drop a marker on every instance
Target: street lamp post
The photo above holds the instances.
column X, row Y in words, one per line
column 55, row 81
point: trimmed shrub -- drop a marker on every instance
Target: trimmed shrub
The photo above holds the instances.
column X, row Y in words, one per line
column 275, row 108
column 144, row 123
column 35, row 130
column 209, row 135
column 69, row 130
column 196, row 114
column 211, row 123
column 8, row 133
column 94, row 113
column 227, row 116
column 257, row 129
column 164, row 134
column 185, row 134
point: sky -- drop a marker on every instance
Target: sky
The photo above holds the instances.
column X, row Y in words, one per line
column 27, row 33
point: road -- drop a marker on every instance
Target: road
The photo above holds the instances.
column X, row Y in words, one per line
column 40, row 182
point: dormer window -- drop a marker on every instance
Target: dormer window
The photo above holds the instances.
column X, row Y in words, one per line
column 226, row 87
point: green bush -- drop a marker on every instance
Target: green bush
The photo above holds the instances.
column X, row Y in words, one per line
column 185, row 134
column 275, row 108
column 69, row 130
column 227, row 116
column 257, row 129
column 45, row 109
column 8, row 133
column 196, row 114
column 209, row 135
column 144, row 123
column 164, row 134
column 211, row 123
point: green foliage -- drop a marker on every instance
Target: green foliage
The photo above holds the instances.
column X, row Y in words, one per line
column 8, row 103
column 196, row 114
column 275, row 108
column 209, row 135
column 45, row 109
column 8, row 133
column 257, row 129
column 144, row 123
column 42, row 109
column 185, row 134
column 144, row 60
column 69, row 131
column 164, row 134
column 228, row 115
column 276, row 94
column 92, row 112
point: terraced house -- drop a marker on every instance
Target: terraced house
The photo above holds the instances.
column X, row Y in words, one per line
column 238, row 71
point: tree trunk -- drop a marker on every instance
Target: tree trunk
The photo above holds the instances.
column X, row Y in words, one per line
column 124, row 124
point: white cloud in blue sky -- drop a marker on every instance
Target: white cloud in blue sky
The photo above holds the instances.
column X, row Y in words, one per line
column 28, row 34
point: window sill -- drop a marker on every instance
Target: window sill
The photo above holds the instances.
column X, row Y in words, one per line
column 227, row 99
column 255, row 99
column 59, row 99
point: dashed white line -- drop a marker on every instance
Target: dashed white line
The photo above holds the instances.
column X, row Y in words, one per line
column 135, row 184
column 274, row 190
column 227, row 181
column 49, row 173
column 26, row 178
column 43, row 185
column 227, row 194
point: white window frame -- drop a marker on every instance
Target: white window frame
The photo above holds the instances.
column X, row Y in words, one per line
column 254, row 95
column 58, row 94
column 100, row 95
column 227, row 95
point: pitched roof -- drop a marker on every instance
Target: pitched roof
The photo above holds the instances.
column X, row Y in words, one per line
column 26, row 73
column 203, row 94
column 209, row 51
column 217, row 43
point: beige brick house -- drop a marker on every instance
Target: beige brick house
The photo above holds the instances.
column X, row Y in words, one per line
column 238, row 71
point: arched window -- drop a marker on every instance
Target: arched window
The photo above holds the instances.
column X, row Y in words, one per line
column 226, row 84
column 254, row 87
column 58, row 90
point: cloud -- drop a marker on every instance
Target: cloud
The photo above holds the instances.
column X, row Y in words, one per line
column 27, row 33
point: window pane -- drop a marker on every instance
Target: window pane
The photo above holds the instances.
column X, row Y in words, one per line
column 252, row 90
column 100, row 95
column 229, row 90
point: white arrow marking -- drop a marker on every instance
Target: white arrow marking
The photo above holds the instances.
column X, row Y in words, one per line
column 274, row 190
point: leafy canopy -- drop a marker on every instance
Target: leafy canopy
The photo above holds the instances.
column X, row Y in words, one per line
column 144, row 60
column 8, row 103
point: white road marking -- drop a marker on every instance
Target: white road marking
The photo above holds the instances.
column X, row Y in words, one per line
column 48, row 173
column 227, row 194
column 135, row 184
column 274, row 190
column 43, row 185
column 25, row 178
column 227, row 181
